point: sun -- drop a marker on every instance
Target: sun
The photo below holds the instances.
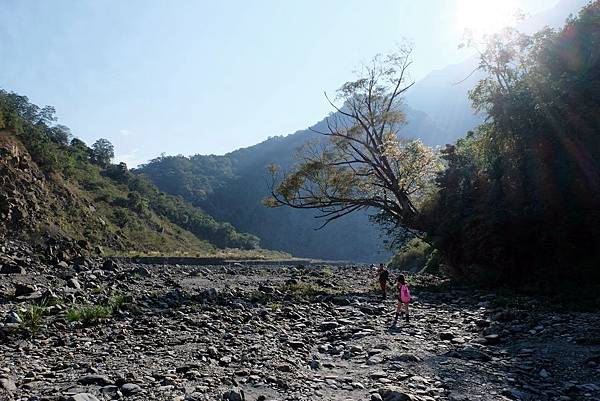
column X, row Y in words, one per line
column 484, row 17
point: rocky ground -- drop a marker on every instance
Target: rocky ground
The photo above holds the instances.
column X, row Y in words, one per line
column 88, row 329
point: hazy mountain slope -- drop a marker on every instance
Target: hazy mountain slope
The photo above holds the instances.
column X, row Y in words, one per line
column 442, row 95
column 235, row 193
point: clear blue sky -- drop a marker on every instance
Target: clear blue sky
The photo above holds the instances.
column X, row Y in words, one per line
column 186, row 77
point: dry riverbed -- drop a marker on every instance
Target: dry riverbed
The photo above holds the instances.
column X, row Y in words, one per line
column 107, row 330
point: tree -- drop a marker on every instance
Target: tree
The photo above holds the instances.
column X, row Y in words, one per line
column 362, row 161
column 102, row 152
column 59, row 134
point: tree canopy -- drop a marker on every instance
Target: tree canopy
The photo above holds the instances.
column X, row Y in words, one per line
column 361, row 161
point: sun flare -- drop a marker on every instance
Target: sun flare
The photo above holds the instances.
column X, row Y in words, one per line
column 484, row 17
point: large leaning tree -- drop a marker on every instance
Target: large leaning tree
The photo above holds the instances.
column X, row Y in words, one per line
column 361, row 161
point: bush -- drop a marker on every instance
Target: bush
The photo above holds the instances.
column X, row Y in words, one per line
column 415, row 256
column 89, row 314
column 32, row 319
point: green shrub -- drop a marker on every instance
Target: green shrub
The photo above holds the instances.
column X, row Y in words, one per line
column 32, row 319
column 414, row 257
column 89, row 314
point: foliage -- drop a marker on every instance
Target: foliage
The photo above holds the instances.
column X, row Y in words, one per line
column 416, row 256
column 520, row 197
column 89, row 314
column 32, row 319
column 102, row 152
column 362, row 162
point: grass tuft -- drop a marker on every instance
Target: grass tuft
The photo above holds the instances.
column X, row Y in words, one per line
column 32, row 319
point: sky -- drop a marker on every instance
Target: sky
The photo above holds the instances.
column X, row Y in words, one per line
column 208, row 77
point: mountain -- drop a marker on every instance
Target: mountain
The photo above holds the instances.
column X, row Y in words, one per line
column 441, row 97
column 54, row 187
column 231, row 188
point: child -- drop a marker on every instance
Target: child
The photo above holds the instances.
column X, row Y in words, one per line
column 383, row 275
column 403, row 298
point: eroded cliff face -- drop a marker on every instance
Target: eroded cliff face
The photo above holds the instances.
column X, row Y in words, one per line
column 43, row 209
column 23, row 190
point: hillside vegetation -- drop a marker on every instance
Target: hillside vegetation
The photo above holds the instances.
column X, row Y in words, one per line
column 519, row 200
column 231, row 188
column 53, row 184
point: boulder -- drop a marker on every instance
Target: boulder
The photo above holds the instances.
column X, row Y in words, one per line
column 24, row 289
column 11, row 269
column 234, row 395
column 130, row 389
column 99, row 380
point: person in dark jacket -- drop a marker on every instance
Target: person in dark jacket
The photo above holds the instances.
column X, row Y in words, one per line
column 383, row 276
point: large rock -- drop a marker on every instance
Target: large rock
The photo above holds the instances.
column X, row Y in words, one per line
column 393, row 394
column 8, row 384
column 11, row 269
column 130, row 389
column 330, row 325
column 99, row 380
column 110, row 264
column 234, row 395
column 24, row 289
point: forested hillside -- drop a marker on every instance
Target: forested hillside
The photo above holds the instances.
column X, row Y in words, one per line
column 231, row 188
column 520, row 197
column 54, row 184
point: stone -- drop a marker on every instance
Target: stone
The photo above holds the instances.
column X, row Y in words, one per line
column 266, row 289
column 8, row 384
column 515, row 394
column 225, row 361
column 12, row 269
column 130, row 389
column 330, row 325
column 74, row 283
column 393, row 394
column 234, row 395
column 492, row 339
column 445, row 336
column 110, row 264
column 99, row 380
column 24, row 289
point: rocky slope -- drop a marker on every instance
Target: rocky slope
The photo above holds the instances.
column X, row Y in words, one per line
column 115, row 330
column 93, row 209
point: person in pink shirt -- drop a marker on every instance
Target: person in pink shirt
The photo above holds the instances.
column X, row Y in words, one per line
column 404, row 298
